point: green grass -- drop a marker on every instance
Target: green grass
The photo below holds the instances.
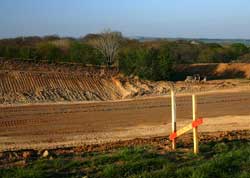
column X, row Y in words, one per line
column 220, row 160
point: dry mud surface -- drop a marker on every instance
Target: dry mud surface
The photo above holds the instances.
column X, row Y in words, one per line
column 65, row 125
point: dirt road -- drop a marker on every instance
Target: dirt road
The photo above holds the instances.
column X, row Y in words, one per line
column 50, row 126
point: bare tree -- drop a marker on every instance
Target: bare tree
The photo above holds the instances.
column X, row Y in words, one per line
column 108, row 44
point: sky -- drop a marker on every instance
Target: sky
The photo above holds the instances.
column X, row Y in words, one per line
column 150, row 18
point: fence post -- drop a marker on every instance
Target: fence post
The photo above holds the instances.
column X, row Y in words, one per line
column 173, row 111
column 195, row 129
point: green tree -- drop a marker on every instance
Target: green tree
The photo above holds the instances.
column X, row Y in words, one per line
column 238, row 50
column 132, row 61
column 83, row 53
column 25, row 53
column 207, row 55
column 11, row 52
column 48, row 51
column 152, row 63
column 183, row 52
column 244, row 58
column 164, row 64
column 2, row 51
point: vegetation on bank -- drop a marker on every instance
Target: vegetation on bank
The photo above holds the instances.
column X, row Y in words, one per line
column 152, row 60
column 220, row 160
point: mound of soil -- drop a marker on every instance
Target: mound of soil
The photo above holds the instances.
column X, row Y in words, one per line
column 23, row 82
column 214, row 70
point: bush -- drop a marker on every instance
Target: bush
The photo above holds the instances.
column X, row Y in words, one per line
column 153, row 60
column 48, row 51
column 83, row 53
column 152, row 64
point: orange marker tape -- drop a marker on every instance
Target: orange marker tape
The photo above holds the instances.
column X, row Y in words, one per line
column 173, row 136
column 197, row 122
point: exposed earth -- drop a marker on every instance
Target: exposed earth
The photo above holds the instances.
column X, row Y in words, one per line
column 46, row 106
column 28, row 82
column 66, row 125
column 25, row 157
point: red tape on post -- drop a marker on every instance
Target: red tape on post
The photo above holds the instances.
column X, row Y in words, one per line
column 197, row 122
column 173, row 136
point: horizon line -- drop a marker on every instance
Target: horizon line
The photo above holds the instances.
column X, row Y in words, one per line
column 131, row 37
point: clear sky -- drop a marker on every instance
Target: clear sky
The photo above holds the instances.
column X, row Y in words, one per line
column 153, row 18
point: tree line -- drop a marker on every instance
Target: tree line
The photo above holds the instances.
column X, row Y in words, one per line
column 152, row 60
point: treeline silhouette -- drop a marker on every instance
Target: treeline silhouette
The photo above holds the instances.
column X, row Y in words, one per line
column 152, row 60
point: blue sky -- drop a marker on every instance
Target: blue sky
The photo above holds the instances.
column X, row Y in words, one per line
column 154, row 18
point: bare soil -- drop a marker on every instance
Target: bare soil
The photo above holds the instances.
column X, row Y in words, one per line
column 21, row 158
column 26, row 82
column 214, row 70
column 46, row 106
column 66, row 125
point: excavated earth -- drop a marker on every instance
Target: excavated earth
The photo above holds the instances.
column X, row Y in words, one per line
column 48, row 106
column 25, row 82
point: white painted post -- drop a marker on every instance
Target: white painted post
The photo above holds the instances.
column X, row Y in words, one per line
column 173, row 111
column 195, row 130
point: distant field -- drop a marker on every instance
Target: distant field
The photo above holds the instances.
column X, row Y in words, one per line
column 219, row 41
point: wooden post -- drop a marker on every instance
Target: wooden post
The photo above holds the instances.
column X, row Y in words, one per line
column 195, row 130
column 173, row 111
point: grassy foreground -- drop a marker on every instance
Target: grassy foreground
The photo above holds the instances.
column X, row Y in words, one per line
column 220, row 160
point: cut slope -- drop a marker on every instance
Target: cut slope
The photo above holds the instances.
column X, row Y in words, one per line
column 214, row 71
column 29, row 82
column 39, row 87
column 29, row 87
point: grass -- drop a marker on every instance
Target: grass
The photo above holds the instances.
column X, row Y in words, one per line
column 220, row 160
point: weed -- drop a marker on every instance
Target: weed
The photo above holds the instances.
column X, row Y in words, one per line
column 220, row 160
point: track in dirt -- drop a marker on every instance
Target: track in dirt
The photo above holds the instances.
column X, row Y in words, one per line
column 40, row 125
